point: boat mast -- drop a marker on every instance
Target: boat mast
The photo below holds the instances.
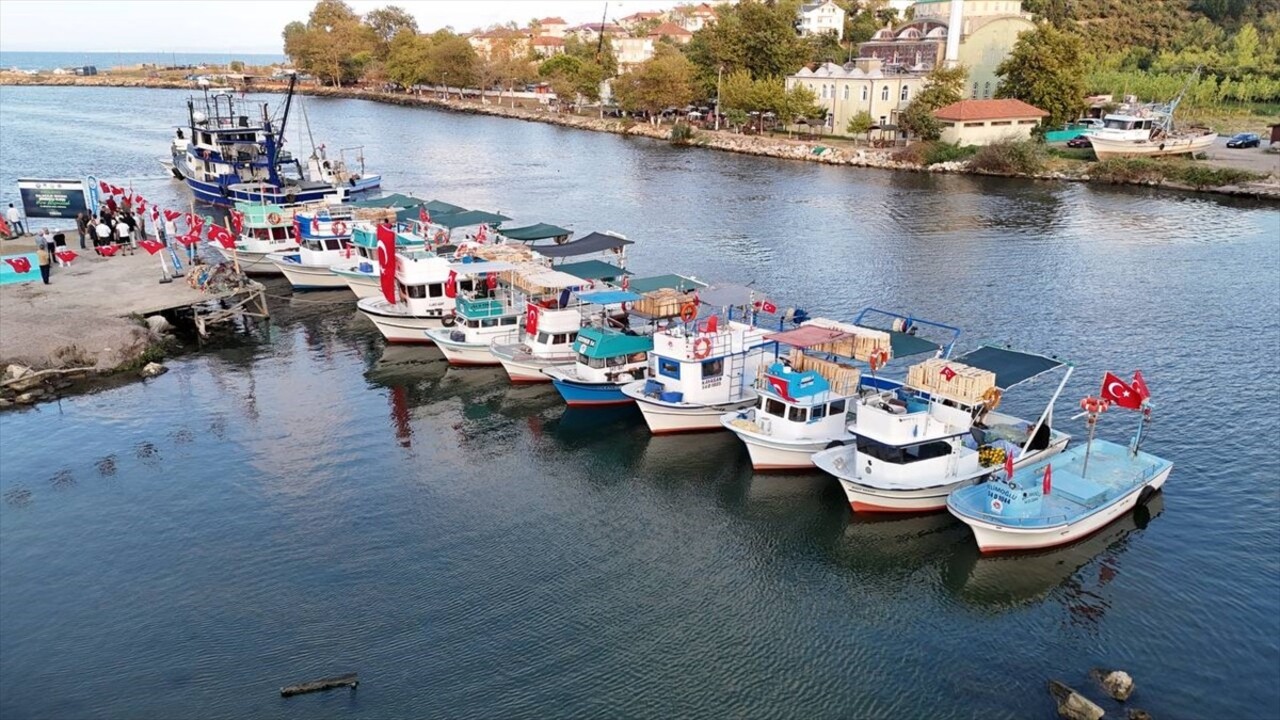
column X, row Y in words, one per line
column 307, row 121
column 288, row 101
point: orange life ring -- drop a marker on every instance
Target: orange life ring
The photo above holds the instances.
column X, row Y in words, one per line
column 701, row 347
column 338, row 228
column 274, row 218
column 688, row 312
column 991, row 398
column 1094, row 405
column 878, row 358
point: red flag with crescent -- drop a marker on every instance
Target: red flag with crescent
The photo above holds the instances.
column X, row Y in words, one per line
column 151, row 246
column 108, row 250
column 237, row 221
column 1119, row 393
column 188, row 240
column 155, row 213
column 20, row 265
column 947, row 373
column 141, row 204
column 779, row 386
column 104, row 187
column 387, row 262
column 315, row 225
column 222, row 236
column 531, row 318
column 423, row 215
column 1048, row 479
column 171, row 214
column 480, row 234
column 117, row 190
column 1008, row 464
column 1139, row 386
column 451, row 285
column 66, row 256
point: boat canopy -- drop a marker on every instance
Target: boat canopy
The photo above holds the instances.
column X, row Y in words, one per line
column 539, row 231
column 807, row 336
column 395, row 200
column 480, row 267
column 608, row 297
column 606, row 343
column 731, row 296
column 256, row 215
column 585, row 245
column 592, row 270
column 1012, row 367
column 467, row 218
column 534, row 278
column 906, row 344
column 665, row 282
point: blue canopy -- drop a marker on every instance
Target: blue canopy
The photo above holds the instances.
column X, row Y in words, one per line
column 608, row 297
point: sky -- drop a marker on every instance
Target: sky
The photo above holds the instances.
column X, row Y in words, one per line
column 172, row 26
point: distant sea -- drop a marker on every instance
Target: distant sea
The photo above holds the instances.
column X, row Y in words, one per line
column 104, row 60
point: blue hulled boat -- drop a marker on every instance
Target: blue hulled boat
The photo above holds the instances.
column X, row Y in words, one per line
column 226, row 155
column 607, row 359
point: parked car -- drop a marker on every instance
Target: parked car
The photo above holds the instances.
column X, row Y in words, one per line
column 1079, row 141
column 1244, row 140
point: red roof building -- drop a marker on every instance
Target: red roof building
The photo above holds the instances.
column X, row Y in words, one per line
column 981, row 122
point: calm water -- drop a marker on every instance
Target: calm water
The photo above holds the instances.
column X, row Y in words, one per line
column 317, row 503
column 105, row 60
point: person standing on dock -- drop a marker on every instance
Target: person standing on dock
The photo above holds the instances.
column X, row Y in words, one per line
column 103, row 231
column 44, row 257
column 82, row 225
column 15, row 222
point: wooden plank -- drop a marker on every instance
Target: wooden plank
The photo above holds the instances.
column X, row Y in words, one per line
column 349, row 680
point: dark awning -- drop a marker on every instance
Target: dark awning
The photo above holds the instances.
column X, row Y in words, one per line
column 592, row 270
column 905, row 345
column 661, row 282
column 530, row 233
column 443, row 208
column 468, row 218
column 1011, row 367
column 593, row 243
column 394, row 200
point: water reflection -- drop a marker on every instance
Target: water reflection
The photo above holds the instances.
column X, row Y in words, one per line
column 1003, row 582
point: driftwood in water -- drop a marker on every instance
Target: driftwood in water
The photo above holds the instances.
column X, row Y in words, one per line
column 348, row 680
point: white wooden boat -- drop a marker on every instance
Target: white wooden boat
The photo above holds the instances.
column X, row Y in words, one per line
column 424, row 292
column 266, row 229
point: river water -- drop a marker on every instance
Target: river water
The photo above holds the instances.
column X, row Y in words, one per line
column 315, row 503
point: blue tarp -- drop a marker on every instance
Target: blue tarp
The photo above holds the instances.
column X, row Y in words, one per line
column 608, row 297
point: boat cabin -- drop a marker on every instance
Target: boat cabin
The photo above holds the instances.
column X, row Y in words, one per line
column 330, row 221
column 266, row 228
column 794, row 403
column 421, row 279
column 608, row 355
column 706, row 362
column 483, row 307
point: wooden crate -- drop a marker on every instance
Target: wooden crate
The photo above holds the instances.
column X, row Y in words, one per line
column 863, row 342
column 842, row 378
column 665, row 303
column 967, row 384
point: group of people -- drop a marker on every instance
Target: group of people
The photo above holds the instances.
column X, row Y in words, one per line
column 110, row 227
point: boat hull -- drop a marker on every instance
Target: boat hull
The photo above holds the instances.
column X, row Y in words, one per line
column 251, row 263
column 213, row 194
column 309, row 277
column 398, row 327
column 1105, row 148
column 462, row 354
column 774, row 453
column 580, row 394
column 364, row 285
column 525, row 371
column 994, row 539
column 666, row 418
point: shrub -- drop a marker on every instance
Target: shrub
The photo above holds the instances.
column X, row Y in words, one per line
column 682, row 133
column 947, row 152
column 1200, row 176
column 1010, row 157
column 1127, row 170
column 913, row 153
column 1144, row 170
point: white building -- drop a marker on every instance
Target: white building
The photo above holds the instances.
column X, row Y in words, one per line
column 862, row 86
column 821, row 17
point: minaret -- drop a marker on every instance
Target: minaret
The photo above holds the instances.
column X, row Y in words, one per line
column 954, row 30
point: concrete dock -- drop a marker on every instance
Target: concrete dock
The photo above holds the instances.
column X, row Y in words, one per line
column 87, row 315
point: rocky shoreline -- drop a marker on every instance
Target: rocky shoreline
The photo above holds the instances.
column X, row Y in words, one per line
column 772, row 147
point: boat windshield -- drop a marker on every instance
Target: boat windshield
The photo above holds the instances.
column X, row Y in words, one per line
column 1118, row 124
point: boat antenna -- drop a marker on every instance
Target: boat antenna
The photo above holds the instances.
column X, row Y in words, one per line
column 604, row 18
column 288, row 100
column 307, row 121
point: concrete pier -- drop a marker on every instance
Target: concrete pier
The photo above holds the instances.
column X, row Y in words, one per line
column 88, row 314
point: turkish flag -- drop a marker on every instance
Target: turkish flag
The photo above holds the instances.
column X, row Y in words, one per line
column 141, row 204
column 768, row 307
column 491, row 281
column 188, row 240
column 423, row 215
column 108, row 250
column 117, row 190
column 947, row 373
column 66, row 256
column 480, row 234
column 102, row 185
column 155, row 213
column 171, row 214
column 387, row 261
column 237, row 221
column 779, row 386
column 1115, row 390
column 531, row 318
column 451, row 285
column 626, row 282
column 1140, row 386
column 20, row 265
column 151, row 246
column 197, row 225
column 315, row 225
column 1008, row 464
column 222, row 236
column 1048, row 479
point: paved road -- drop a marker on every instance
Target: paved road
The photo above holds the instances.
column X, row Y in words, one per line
column 1252, row 159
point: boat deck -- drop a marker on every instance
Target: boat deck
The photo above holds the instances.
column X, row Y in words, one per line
column 1112, row 474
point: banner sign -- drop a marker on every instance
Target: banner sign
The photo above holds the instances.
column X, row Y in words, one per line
column 94, row 200
column 52, row 198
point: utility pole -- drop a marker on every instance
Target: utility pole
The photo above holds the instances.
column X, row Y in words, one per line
column 719, row 74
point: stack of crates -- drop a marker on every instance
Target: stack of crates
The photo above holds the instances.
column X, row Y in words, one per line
column 953, row 380
column 863, row 342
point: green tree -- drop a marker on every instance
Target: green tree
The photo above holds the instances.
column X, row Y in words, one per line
column 598, row 52
column 333, row 44
column 1046, row 69
column 860, row 124
column 663, row 81
column 409, row 59
column 453, row 62
column 751, row 35
column 387, row 23
column 571, row 77
column 236, row 66
column 943, row 86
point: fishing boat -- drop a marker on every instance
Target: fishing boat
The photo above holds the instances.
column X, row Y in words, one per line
column 324, row 234
column 232, row 152
column 482, row 311
column 940, row 431
column 699, row 369
column 363, row 271
column 424, row 295
column 609, row 357
column 265, row 229
column 803, row 398
column 1061, row 499
column 1147, row 130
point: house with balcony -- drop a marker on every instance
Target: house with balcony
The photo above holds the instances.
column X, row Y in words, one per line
column 823, row 17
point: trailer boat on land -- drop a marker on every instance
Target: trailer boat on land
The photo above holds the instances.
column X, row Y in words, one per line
column 227, row 155
column 803, row 398
column 916, row 444
column 1148, row 131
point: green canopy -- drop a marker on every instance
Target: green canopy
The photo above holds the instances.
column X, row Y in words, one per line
column 443, row 208
column 905, row 345
column 592, row 270
column 530, row 233
column 660, row 282
column 468, row 218
column 395, row 200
